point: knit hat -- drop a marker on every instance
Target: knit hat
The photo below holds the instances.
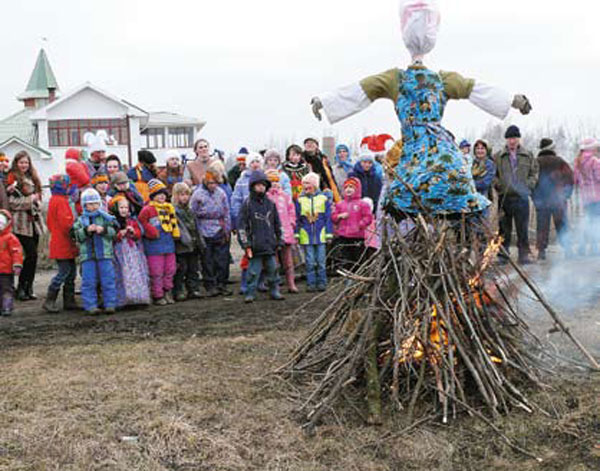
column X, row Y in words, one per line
column 464, row 143
column 253, row 156
column 241, row 155
column 366, row 155
column 73, row 154
column 272, row 154
column 119, row 177
column 146, row 157
column 512, row 131
column 170, row 154
column 59, row 184
column 589, row 143
column 310, row 139
column 3, row 157
column 155, row 186
column 352, row 181
column 211, row 177
column 272, row 175
column 90, row 196
column 100, row 178
column 546, row 144
column 312, row 178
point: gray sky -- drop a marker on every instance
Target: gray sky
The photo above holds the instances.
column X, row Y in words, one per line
column 250, row 68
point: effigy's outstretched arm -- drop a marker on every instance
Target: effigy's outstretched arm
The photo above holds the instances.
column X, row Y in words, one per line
column 346, row 101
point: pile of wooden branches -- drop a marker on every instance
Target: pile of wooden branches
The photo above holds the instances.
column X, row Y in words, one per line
column 428, row 320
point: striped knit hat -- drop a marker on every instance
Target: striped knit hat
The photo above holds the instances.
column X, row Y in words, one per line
column 90, row 196
column 352, row 181
column 155, row 186
column 59, row 184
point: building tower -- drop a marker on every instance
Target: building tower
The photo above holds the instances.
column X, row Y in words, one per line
column 42, row 87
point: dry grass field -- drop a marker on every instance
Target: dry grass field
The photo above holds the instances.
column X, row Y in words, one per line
column 186, row 388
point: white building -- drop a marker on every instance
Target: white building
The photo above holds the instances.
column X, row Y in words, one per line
column 50, row 124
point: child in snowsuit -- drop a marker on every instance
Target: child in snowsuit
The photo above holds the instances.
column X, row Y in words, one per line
column 159, row 221
column 314, row 230
column 131, row 268
column 188, row 248
column 296, row 168
column 11, row 262
column 351, row 217
column 59, row 220
column 211, row 209
column 260, row 236
column 286, row 210
column 94, row 232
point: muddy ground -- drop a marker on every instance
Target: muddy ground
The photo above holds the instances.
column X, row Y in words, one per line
column 184, row 388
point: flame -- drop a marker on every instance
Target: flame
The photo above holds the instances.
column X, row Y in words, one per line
column 489, row 255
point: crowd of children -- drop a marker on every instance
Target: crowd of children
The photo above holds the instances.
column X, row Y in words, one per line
column 151, row 236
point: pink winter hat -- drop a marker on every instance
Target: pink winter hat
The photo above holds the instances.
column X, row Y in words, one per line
column 589, row 143
column 312, row 178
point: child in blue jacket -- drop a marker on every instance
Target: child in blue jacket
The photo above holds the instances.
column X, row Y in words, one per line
column 314, row 230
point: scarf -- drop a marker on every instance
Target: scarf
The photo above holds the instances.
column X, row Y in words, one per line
column 345, row 164
column 479, row 169
column 167, row 217
column 87, row 216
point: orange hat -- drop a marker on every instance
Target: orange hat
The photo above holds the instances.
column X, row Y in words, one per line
column 211, row 177
column 3, row 157
column 272, row 175
column 100, row 178
column 352, row 181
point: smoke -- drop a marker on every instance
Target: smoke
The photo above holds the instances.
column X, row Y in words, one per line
column 571, row 278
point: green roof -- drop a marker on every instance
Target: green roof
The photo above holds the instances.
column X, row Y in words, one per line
column 42, row 78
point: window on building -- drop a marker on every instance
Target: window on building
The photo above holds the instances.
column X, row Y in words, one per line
column 70, row 132
column 180, row 137
column 153, row 138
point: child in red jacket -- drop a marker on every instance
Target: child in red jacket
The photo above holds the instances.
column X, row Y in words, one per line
column 60, row 219
column 11, row 262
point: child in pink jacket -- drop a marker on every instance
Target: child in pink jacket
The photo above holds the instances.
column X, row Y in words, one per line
column 287, row 215
column 351, row 218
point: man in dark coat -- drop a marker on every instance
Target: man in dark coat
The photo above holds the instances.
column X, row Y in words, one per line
column 551, row 195
column 516, row 177
column 319, row 164
column 260, row 235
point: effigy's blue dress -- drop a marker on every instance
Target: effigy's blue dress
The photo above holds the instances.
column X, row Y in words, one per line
column 431, row 163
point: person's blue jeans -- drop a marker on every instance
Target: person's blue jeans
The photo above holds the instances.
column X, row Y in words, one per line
column 269, row 262
column 67, row 270
column 92, row 273
column 316, row 276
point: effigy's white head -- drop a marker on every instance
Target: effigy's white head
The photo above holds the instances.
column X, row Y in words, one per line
column 420, row 22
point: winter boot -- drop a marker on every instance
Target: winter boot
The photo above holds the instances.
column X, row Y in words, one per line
column 275, row 293
column 22, row 293
column 169, row 298
column 291, row 281
column 29, row 291
column 69, row 302
column 50, row 303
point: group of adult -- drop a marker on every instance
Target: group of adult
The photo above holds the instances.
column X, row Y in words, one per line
column 546, row 179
